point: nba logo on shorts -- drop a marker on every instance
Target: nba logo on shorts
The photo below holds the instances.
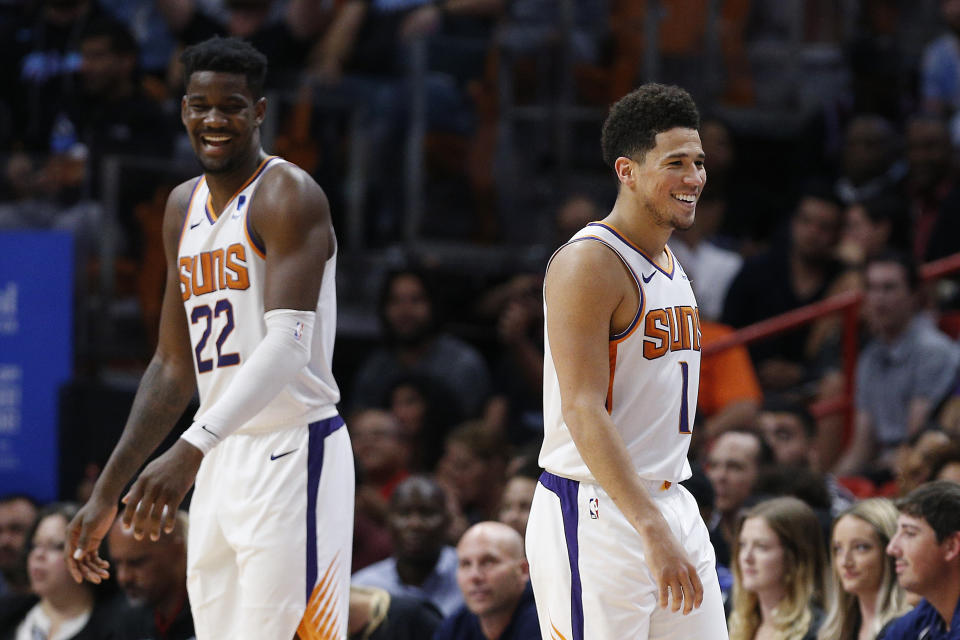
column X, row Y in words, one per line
column 298, row 331
column 594, row 508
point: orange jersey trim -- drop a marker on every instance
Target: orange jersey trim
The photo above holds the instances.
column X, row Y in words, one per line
column 667, row 272
column 213, row 215
column 186, row 217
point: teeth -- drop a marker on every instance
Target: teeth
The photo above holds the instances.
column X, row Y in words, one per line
column 685, row 197
column 216, row 138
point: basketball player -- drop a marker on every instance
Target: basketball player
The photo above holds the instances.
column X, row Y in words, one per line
column 248, row 314
column 617, row 548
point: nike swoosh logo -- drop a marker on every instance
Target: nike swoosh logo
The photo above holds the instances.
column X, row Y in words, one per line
column 204, row 427
column 196, row 224
column 647, row 279
column 285, row 453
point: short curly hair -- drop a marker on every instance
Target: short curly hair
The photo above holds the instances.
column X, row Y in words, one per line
column 227, row 55
column 635, row 120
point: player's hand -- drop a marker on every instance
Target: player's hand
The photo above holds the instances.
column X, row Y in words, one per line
column 84, row 534
column 152, row 502
column 676, row 576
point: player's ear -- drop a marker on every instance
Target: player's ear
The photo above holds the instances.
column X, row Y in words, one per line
column 260, row 110
column 625, row 169
column 183, row 110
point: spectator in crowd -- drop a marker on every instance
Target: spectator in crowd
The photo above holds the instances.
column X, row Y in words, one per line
column 366, row 58
column 902, row 374
column 711, row 268
column 57, row 607
column 914, row 460
column 791, row 431
column 866, row 595
column 516, row 408
column 573, row 214
column 376, row 614
column 730, row 393
column 734, row 464
column 414, row 342
column 945, row 463
column 783, row 279
column 874, row 225
column 940, row 68
column 780, row 573
column 495, row 581
column 382, row 453
column 422, row 565
column 926, row 548
column 426, row 413
column 17, row 514
column 153, row 577
column 381, row 450
column 870, row 161
column 472, row 469
column 732, row 202
column 40, row 48
column 518, row 496
column 282, row 31
column 111, row 114
column 57, row 200
column 932, row 188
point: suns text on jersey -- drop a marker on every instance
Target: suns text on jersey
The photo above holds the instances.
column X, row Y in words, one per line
column 215, row 270
column 671, row 329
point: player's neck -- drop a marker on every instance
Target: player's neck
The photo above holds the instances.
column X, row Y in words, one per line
column 640, row 230
column 224, row 185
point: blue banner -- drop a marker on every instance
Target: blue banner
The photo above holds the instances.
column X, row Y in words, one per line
column 36, row 356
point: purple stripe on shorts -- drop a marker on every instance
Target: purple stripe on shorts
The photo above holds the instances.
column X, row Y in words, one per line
column 318, row 432
column 567, row 490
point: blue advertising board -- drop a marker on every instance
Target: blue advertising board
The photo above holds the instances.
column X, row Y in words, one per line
column 36, row 356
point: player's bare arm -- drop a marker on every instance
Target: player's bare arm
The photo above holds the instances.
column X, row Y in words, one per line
column 163, row 394
column 589, row 296
column 291, row 216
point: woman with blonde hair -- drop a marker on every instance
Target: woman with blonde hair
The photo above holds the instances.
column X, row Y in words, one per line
column 779, row 581
column 866, row 592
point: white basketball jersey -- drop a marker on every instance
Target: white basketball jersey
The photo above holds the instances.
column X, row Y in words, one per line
column 654, row 372
column 222, row 271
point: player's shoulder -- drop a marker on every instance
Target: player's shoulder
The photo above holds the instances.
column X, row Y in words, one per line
column 179, row 201
column 290, row 192
column 585, row 256
column 286, row 178
column 180, row 194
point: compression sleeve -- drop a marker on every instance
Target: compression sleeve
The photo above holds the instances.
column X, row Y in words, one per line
column 280, row 356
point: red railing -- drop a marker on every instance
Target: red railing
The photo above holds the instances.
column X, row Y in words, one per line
column 847, row 303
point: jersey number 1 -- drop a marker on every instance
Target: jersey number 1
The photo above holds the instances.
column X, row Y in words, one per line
column 204, row 312
column 684, row 389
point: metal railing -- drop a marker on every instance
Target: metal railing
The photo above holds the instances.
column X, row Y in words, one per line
column 846, row 303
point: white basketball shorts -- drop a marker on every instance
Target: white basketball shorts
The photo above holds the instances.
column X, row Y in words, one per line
column 589, row 574
column 270, row 535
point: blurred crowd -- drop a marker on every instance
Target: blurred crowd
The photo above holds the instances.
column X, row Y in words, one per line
column 847, row 187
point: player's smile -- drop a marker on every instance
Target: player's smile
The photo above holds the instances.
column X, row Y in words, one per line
column 221, row 116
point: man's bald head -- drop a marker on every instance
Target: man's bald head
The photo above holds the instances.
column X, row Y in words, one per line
column 496, row 533
column 151, row 573
column 492, row 571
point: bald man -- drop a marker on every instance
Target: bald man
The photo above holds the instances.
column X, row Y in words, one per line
column 153, row 576
column 494, row 577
